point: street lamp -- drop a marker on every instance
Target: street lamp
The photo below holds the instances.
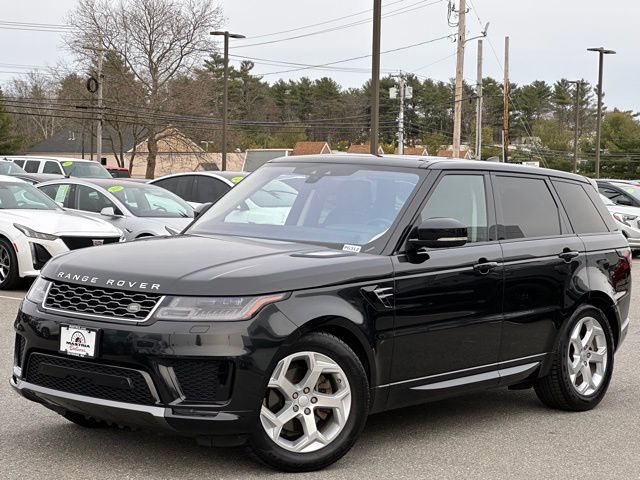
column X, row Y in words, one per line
column 226, row 35
column 601, row 53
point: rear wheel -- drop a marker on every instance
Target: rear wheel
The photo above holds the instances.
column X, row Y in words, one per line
column 315, row 406
column 9, row 276
column 582, row 365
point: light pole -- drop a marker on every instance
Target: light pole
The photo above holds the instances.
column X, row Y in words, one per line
column 375, row 77
column 577, row 118
column 601, row 53
column 225, row 91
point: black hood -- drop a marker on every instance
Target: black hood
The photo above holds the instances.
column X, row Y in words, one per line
column 217, row 265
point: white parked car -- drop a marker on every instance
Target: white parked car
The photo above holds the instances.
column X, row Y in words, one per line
column 628, row 220
column 34, row 228
column 69, row 167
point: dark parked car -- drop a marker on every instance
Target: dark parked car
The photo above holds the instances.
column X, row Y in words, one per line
column 118, row 172
column 325, row 288
column 199, row 188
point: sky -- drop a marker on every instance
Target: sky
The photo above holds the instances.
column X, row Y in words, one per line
column 548, row 39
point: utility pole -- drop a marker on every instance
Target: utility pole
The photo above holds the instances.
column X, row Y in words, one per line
column 506, row 88
column 601, row 53
column 457, row 105
column 225, row 92
column 100, row 116
column 576, row 120
column 479, row 104
column 375, row 76
column 403, row 87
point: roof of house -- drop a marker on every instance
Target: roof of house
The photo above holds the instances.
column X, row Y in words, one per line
column 311, row 148
column 256, row 157
column 414, row 151
column 363, row 148
column 465, row 152
column 70, row 141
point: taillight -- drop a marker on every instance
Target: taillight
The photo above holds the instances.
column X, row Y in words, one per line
column 626, row 254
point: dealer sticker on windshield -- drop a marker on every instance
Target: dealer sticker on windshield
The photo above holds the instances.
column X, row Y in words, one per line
column 352, row 248
column 78, row 341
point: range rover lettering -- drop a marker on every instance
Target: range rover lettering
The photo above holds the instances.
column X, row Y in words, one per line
column 322, row 289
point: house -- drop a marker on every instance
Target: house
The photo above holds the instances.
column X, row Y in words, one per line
column 465, row 152
column 363, row 148
column 422, row 151
column 256, row 157
column 176, row 152
column 311, row 148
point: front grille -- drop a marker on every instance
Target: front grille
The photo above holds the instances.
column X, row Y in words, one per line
column 88, row 379
column 19, row 350
column 73, row 243
column 204, row 381
column 88, row 300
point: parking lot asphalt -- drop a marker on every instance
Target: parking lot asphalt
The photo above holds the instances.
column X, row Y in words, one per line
column 494, row 434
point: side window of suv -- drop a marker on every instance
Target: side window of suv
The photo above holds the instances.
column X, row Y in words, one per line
column 583, row 215
column 461, row 197
column 52, row 167
column 528, row 207
column 31, row 166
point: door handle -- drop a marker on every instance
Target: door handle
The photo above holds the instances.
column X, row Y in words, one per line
column 485, row 267
column 568, row 255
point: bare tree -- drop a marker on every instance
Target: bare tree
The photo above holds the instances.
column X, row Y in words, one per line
column 156, row 41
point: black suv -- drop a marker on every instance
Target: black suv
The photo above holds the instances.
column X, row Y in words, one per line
column 325, row 288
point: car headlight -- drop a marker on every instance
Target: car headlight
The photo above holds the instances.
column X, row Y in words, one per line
column 33, row 234
column 214, row 308
column 38, row 290
column 623, row 218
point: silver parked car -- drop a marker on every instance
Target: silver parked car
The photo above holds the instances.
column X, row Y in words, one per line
column 628, row 220
column 138, row 209
column 200, row 188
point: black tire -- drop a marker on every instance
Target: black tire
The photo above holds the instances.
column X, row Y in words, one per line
column 277, row 457
column 12, row 279
column 85, row 422
column 556, row 390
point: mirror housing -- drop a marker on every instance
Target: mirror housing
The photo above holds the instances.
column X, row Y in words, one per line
column 108, row 212
column 439, row 233
column 200, row 209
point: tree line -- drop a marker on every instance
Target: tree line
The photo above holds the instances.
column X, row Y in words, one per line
column 161, row 77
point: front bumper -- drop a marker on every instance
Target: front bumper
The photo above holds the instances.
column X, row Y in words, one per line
column 151, row 351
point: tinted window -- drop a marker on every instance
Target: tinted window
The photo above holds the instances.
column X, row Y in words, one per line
column 528, row 208
column 31, row 166
column 582, row 213
column 182, row 186
column 461, row 197
column 20, row 163
column 85, row 169
column 59, row 193
column 51, row 167
column 209, row 189
column 90, row 200
column 612, row 194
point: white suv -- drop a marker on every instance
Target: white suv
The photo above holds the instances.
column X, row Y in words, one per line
column 71, row 167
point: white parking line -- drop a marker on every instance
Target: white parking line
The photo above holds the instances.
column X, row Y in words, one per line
column 10, row 298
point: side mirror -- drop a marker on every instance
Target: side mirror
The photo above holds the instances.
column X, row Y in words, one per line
column 439, row 233
column 200, row 209
column 172, row 231
column 108, row 212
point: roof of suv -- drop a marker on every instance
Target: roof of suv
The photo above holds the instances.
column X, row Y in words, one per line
column 408, row 161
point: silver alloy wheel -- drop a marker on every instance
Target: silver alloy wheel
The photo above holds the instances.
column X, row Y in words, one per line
column 307, row 402
column 5, row 263
column 587, row 356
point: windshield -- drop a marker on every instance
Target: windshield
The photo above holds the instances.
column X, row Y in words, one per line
column 10, row 168
column 148, row 201
column 632, row 190
column 85, row 170
column 336, row 205
column 14, row 196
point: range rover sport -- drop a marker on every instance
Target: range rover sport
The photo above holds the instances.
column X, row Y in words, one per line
column 325, row 288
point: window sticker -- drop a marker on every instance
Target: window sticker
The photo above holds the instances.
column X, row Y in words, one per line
column 61, row 194
column 352, row 248
column 236, row 179
column 67, row 164
column 630, row 189
column 115, row 188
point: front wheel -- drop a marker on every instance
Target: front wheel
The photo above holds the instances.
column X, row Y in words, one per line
column 315, row 406
column 9, row 275
column 582, row 365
